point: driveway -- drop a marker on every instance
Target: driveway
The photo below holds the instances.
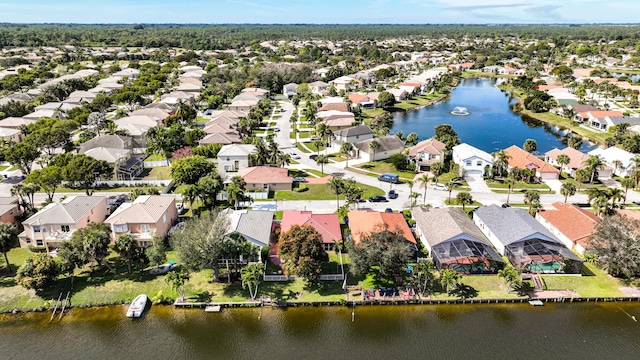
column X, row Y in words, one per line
column 555, row 185
column 477, row 184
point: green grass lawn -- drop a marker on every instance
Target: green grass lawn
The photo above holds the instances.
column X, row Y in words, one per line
column 498, row 184
column 155, row 157
column 313, row 147
column 202, row 119
column 302, row 148
column 13, row 168
column 315, row 172
column 455, row 203
column 480, row 287
column 122, row 189
column 371, row 113
column 380, row 167
column 4, row 167
column 159, row 173
column 323, row 192
column 594, row 282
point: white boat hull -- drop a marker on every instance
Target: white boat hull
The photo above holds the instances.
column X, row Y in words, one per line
column 137, row 306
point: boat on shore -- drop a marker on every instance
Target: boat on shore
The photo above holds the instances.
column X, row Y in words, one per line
column 137, row 306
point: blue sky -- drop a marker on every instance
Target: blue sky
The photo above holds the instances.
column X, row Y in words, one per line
column 320, row 11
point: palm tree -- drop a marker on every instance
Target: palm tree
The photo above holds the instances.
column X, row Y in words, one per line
column 626, row 184
column 191, row 194
column 318, row 144
column 615, row 195
column 617, row 164
column 235, row 190
column 464, row 198
column 346, row 149
column 437, row 169
column 531, row 197
column 337, row 186
column 582, row 175
column 177, row 279
column 562, row 160
column 501, row 161
column 600, row 205
column 594, row 193
column 8, row 238
column 567, row 189
column 424, row 181
column 449, row 279
column 251, row 277
column 400, row 135
column 594, row 163
column 321, row 160
column 323, row 131
column 261, row 155
column 510, row 275
column 374, row 145
column 510, row 183
column 450, row 186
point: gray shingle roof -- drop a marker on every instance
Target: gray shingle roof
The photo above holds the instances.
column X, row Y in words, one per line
column 511, row 225
column 387, row 143
column 355, row 131
column 440, row 225
column 107, row 141
column 252, row 224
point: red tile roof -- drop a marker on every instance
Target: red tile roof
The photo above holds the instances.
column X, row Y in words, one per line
column 265, row 175
column 576, row 157
column 575, row 223
column 328, row 225
column 519, row 158
column 429, row 146
column 364, row 222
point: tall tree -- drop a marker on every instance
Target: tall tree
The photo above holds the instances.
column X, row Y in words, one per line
column 8, row 239
column 199, row 244
column 510, row 275
column 22, row 155
column 449, row 279
column 374, row 145
column 594, row 163
column 563, row 159
column 47, row 178
column 336, row 184
column 530, row 145
column 531, row 198
column 501, row 161
column 303, row 253
column 346, row 148
column 464, row 198
column 424, row 181
column 567, row 189
column 251, row 278
column 321, row 160
column 156, row 253
column 617, row 245
column 127, row 247
column 38, row 272
column 235, row 190
column 189, row 170
column 85, row 171
column 93, row 242
column 177, row 279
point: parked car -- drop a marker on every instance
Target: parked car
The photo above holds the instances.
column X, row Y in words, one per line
column 389, row 210
column 504, row 206
column 389, row 177
column 313, row 156
column 392, row 194
column 295, row 156
column 181, row 208
column 276, row 130
column 441, row 187
column 359, row 200
column 378, row 198
column 299, row 179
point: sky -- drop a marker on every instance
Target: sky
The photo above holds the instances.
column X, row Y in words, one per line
column 321, row 11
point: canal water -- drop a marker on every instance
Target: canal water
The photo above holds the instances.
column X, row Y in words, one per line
column 554, row 331
column 491, row 124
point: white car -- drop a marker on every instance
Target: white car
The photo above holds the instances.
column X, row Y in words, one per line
column 441, row 187
column 295, row 156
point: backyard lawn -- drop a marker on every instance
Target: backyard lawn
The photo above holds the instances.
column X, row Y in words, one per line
column 380, row 167
column 322, row 192
column 594, row 282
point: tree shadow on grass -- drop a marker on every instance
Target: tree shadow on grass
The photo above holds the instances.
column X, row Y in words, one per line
column 523, row 289
column 464, row 292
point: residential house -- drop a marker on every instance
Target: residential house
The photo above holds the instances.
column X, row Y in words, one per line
column 266, row 178
column 365, row 222
column 243, row 105
column 364, row 101
column 16, row 122
column 610, row 155
column 398, row 94
column 522, row 159
column 576, row 161
column 289, row 90
column 334, row 106
column 591, row 116
column 387, row 147
column 148, row 216
column 605, row 123
column 352, row 135
column 107, row 141
column 571, row 224
column 256, row 226
column 426, row 152
column 345, row 83
column 319, row 87
column 156, row 113
column 143, row 120
column 126, row 166
column 473, row 160
column 138, row 135
column 10, row 135
column 56, row 222
column 527, row 244
column 9, row 210
column 455, row 242
column 257, row 92
column 410, row 88
column 328, row 225
column 234, row 157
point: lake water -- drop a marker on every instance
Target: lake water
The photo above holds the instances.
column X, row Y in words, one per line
column 554, row 331
column 490, row 126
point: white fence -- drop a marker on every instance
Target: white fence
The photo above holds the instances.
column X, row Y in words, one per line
column 158, row 163
column 156, row 183
column 253, row 195
column 329, row 277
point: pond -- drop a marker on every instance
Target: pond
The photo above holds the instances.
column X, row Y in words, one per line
column 490, row 124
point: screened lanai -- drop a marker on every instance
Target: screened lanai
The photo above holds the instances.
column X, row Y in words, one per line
column 540, row 256
column 467, row 257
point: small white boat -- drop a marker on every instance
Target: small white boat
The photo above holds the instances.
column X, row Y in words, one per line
column 137, row 306
column 536, row 303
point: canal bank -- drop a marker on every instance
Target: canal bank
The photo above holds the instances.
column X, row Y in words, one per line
column 493, row 331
